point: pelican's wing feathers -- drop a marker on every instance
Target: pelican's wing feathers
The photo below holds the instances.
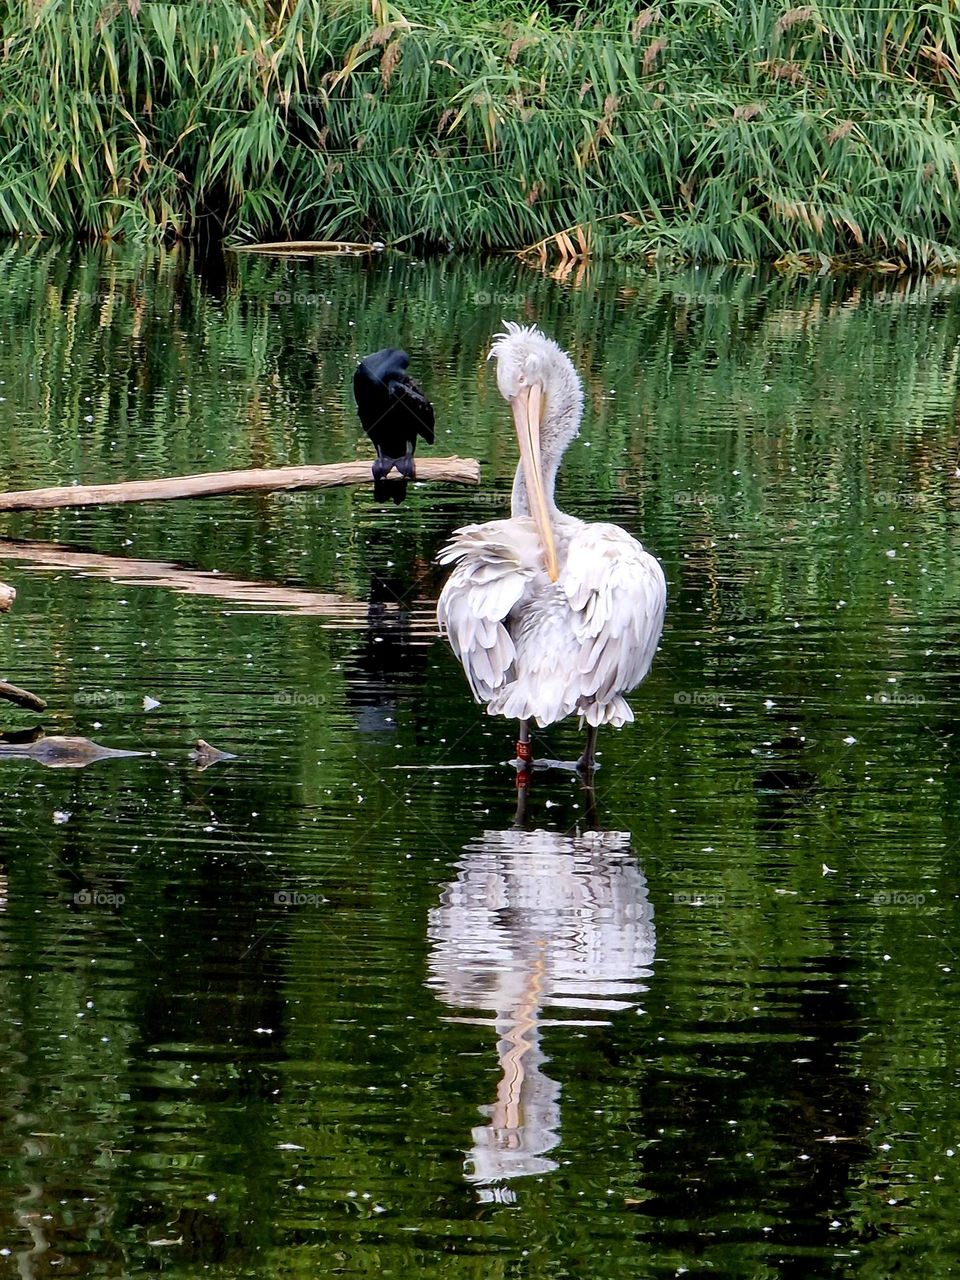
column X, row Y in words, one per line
column 495, row 564
column 618, row 594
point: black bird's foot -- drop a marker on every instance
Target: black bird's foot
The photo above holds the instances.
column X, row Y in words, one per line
column 390, row 476
column 404, row 467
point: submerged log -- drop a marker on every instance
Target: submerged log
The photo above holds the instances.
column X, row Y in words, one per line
column 451, row 470
column 251, row 596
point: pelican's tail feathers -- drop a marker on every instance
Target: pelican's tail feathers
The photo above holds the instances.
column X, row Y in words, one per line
column 616, row 712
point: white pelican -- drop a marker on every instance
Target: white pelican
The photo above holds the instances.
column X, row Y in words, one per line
column 549, row 615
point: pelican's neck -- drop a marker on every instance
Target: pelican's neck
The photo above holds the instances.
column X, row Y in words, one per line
column 560, row 425
column 520, row 503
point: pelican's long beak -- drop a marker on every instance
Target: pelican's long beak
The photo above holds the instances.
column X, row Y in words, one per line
column 527, row 412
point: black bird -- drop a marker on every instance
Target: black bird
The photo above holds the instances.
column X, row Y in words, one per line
column 393, row 411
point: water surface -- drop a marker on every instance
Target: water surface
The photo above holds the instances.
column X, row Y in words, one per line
column 330, row 1008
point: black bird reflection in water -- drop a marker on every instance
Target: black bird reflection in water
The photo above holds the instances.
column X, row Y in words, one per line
column 390, row 657
column 537, row 920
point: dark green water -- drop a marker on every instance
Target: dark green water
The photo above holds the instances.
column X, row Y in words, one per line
column 264, row 1019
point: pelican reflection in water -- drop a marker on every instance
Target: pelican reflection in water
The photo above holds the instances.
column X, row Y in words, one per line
column 536, row 920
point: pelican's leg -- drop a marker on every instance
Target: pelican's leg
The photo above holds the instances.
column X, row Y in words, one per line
column 587, row 762
column 524, row 759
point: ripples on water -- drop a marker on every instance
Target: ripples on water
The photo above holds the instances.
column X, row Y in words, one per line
column 326, row 1008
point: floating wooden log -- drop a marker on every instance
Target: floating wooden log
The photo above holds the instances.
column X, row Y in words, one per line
column 303, row 248
column 448, row 470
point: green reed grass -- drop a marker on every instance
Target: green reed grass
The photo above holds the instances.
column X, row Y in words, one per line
column 700, row 129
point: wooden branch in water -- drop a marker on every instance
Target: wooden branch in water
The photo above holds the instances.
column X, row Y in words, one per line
column 12, row 692
column 304, row 247
column 449, row 470
column 21, row 697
